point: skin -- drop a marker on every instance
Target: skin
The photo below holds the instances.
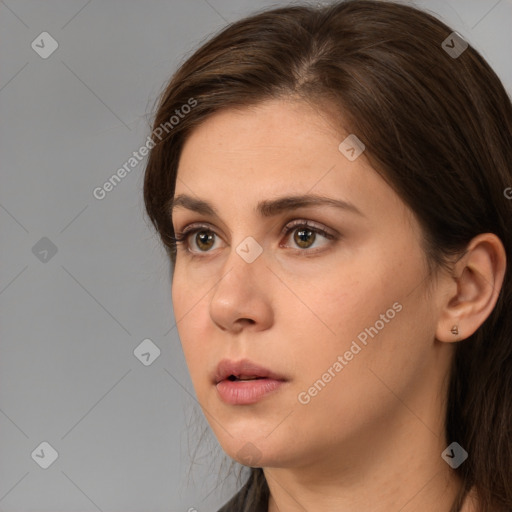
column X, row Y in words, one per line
column 372, row 439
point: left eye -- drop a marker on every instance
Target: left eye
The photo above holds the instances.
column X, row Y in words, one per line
column 304, row 236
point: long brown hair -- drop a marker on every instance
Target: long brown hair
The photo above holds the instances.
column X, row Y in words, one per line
column 436, row 125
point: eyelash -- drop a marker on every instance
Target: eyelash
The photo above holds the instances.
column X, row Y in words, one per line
column 183, row 236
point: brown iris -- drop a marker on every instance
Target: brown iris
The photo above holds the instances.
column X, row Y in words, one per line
column 301, row 237
column 204, row 237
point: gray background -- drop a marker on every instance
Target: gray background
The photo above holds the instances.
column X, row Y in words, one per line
column 124, row 431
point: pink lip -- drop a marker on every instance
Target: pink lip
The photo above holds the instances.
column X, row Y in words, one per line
column 244, row 367
column 236, row 392
column 248, row 392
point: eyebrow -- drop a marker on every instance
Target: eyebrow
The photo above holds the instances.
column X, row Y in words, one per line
column 266, row 208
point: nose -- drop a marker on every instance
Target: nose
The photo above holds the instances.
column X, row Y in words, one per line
column 243, row 296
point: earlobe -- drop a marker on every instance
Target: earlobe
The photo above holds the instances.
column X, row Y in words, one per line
column 473, row 290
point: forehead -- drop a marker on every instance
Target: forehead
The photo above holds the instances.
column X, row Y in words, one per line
column 238, row 157
column 274, row 140
column 274, row 125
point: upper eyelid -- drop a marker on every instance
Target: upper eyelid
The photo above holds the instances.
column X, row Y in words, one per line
column 290, row 224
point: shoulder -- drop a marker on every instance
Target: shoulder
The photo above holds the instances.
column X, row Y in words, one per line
column 236, row 503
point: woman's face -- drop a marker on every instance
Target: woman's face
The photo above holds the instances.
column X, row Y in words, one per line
column 344, row 318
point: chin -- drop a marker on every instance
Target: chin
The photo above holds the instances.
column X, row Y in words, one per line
column 252, row 449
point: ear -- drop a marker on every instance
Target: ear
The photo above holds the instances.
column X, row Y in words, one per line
column 472, row 292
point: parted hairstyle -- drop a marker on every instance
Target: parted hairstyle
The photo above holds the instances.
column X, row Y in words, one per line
column 436, row 126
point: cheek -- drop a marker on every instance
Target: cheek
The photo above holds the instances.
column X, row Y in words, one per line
column 188, row 311
column 347, row 380
column 338, row 303
column 189, row 290
column 361, row 310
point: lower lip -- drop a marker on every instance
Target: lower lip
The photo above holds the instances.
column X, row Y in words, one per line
column 246, row 392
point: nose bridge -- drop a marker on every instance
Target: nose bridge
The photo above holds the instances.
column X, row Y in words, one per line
column 246, row 261
column 241, row 292
column 249, row 250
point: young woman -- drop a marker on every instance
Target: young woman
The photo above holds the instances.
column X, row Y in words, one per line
column 333, row 187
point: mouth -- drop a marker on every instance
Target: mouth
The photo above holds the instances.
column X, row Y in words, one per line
column 243, row 370
column 243, row 378
column 245, row 382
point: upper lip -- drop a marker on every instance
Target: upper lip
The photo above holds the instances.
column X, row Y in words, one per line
column 243, row 368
